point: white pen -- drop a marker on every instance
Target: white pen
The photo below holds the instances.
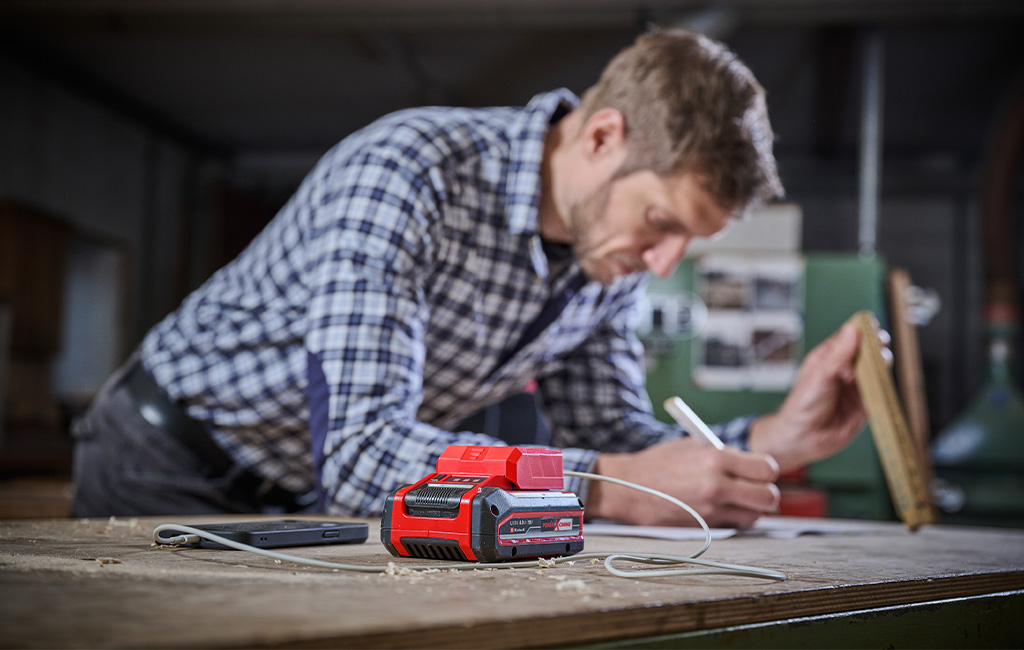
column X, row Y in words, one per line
column 693, row 425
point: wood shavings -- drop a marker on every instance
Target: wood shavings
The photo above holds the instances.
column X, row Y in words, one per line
column 575, row 588
column 114, row 522
column 575, row 585
column 395, row 570
column 545, row 564
column 108, row 560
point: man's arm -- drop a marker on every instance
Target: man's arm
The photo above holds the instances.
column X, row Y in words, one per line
column 823, row 411
column 821, row 414
column 368, row 260
column 598, row 401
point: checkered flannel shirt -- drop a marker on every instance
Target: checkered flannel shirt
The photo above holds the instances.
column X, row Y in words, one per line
column 391, row 287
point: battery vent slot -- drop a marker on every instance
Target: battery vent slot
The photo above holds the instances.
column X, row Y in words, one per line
column 434, row 549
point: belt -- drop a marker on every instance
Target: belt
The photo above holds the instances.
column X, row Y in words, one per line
column 159, row 410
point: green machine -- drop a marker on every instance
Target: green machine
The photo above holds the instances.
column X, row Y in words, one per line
column 684, row 359
column 979, row 459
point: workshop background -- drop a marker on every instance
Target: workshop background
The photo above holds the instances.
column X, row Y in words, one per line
column 143, row 143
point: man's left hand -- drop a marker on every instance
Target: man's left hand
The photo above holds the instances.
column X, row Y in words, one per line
column 823, row 411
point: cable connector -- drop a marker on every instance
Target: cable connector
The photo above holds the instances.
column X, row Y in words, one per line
column 177, row 540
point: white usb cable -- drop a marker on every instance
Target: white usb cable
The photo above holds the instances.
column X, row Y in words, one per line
column 193, row 535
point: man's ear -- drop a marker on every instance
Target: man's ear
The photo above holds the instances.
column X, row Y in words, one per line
column 604, row 134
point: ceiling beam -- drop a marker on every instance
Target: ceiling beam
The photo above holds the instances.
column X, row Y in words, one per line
column 312, row 15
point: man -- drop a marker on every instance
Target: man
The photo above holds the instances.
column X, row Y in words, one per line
column 432, row 264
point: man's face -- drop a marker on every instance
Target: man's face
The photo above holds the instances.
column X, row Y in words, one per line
column 641, row 222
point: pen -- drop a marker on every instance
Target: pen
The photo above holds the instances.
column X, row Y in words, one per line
column 687, row 419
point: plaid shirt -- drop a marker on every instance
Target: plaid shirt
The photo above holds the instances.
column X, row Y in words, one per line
column 389, row 293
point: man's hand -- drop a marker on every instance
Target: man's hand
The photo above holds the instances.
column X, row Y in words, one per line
column 823, row 411
column 727, row 487
column 820, row 416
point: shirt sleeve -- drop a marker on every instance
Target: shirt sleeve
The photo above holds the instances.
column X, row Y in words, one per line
column 369, row 256
column 597, row 401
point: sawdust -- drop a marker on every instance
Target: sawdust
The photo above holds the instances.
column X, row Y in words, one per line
column 575, row 587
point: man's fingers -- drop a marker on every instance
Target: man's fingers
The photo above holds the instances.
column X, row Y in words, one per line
column 848, row 339
column 884, row 338
column 734, row 518
column 749, row 495
column 751, row 482
column 751, row 466
column 887, row 356
column 727, row 516
column 837, row 353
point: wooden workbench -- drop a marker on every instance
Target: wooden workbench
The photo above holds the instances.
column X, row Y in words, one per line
column 99, row 583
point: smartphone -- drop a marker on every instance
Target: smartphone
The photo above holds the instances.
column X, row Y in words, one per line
column 284, row 532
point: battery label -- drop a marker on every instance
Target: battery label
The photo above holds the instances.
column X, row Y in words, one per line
column 539, row 527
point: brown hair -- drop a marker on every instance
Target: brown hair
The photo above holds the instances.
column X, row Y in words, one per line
column 691, row 105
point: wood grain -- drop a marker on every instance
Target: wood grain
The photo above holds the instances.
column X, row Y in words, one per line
column 907, row 362
column 55, row 594
column 901, row 460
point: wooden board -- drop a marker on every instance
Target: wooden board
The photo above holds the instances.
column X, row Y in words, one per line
column 100, row 584
column 907, row 362
column 901, row 460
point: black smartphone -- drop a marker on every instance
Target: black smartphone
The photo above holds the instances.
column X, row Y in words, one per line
column 283, row 532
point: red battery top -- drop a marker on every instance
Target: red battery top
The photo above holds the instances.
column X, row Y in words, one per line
column 529, row 468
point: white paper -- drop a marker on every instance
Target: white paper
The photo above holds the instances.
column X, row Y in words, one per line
column 678, row 534
column 778, row 527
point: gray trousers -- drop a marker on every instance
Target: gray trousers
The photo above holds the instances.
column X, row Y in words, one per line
column 123, row 465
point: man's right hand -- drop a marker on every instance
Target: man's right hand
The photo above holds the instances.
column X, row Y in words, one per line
column 728, row 487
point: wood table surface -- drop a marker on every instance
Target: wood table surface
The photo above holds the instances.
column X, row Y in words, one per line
column 101, row 583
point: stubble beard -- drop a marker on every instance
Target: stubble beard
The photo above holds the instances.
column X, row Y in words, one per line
column 583, row 216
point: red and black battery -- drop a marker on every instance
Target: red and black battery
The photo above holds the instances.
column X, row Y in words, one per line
column 487, row 504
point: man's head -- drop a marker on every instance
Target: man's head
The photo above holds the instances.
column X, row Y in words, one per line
column 690, row 105
column 672, row 143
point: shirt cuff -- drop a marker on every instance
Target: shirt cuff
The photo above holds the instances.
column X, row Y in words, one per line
column 736, row 433
column 578, row 460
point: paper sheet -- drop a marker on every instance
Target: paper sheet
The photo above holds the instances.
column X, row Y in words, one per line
column 779, row 527
column 657, row 532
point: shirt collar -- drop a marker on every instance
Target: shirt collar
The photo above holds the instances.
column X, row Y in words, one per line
column 526, row 134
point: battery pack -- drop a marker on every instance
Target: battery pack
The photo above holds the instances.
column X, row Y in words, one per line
column 486, row 504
